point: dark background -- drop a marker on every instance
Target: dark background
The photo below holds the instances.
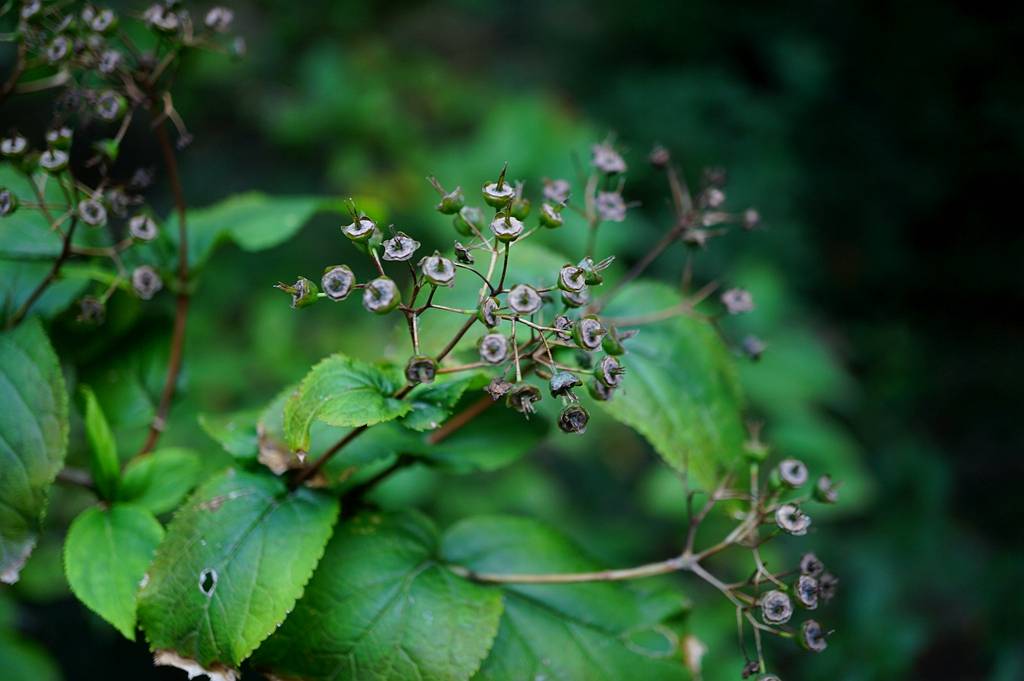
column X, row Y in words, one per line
column 881, row 142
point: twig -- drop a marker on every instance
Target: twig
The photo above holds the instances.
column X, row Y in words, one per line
column 51, row 276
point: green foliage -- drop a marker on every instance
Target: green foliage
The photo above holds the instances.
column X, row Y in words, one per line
column 160, row 480
column 105, row 558
column 235, row 559
column 382, row 607
column 432, row 403
column 33, row 439
column 23, row 660
column 683, row 395
column 103, row 461
column 341, row 391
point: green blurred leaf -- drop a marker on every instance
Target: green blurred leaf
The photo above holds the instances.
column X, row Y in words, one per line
column 236, row 432
column 382, row 607
column 26, row 234
column 19, row 278
column 432, row 403
column 105, row 557
column 103, row 461
column 235, row 559
column 33, row 439
column 25, row 661
column 680, row 391
column 342, row 391
column 161, row 479
column 562, row 632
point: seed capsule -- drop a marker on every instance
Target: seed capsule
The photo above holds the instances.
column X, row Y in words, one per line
column 826, row 491
column 488, row 312
column 551, row 216
column 563, row 327
column 463, row 254
column 588, row 333
column 58, row 49
column 507, row 228
column 493, row 348
column 361, row 229
column 104, row 21
column 469, row 221
column 520, row 207
column 524, row 299
column 522, row 397
column 303, row 292
column 53, row 161
column 806, row 592
column 812, row 636
column 572, row 278
column 599, row 391
column 452, row 202
column 381, row 296
column 792, row 473
column 607, row 160
column 610, row 372
column 337, row 282
column 827, row 586
column 791, row 519
column 575, row 299
column 8, row 203
column 13, row 146
column 811, row 565
column 738, row 301
column 92, row 212
column 562, row 384
column 109, row 61
column 421, row 369
column 219, row 19
column 146, row 282
column 142, row 227
column 438, row 270
column 400, row 247
column 574, row 419
column 776, row 608
column 110, row 105
column 610, row 206
column 497, row 196
column 556, row 191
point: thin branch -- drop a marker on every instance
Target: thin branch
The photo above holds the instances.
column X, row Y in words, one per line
column 461, row 419
column 649, row 570
column 51, row 276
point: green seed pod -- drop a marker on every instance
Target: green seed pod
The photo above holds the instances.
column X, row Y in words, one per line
column 338, row 282
column 588, row 333
column 498, row 196
column 421, row 369
column 381, row 296
column 469, row 221
column 143, row 228
column 360, row 229
column 573, row 419
column 53, row 161
column 524, row 299
column 610, row 372
column 400, row 247
column 519, row 207
column 13, row 146
column 776, row 607
column 612, row 342
column 488, row 312
column 562, row 384
column 452, row 202
column 107, row 148
column 438, row 270
column 507, row 228
column 825, row 490
column 551, row 216
column 493, row 348
column 572, row 278
column 812, row 637
column 111, row 105
column 522, row 397
column 599, row 391
column 8, row 203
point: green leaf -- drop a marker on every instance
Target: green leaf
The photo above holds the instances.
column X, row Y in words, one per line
column 160, row 480
column 252, row 220
column 237, row 433
column 680, row 390
column 564, row 632
column 26, row 234
column 432, row 403
column 381, row 607
column 24, row 660
column 235, row 559
column 341, row 391
column 105, row 558
column 33, row 439
column 105, row 466
column 18, row 279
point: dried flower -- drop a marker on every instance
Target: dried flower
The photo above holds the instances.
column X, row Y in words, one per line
column 557, row 191
column 498, row 388
column 92, row 212
column 524, row 299
column 493, row 348
column 360, row 229
column 827, row 586
column 573, row 419
column 588, row 333
column 146, row 282
column 610, row 206
column 776, row 608
column 825, row 490
column 606, row 159
column 142, row 227
column 338, row 282
column 811, row 565
column 738, row 301
column 791, row 519
column 572, row 278
column 381, row 295
column 610, row 371
column 507, row 228
column 488, row 312
column 562, row 384
column 806, row 591
column 400, row 247
column 13, row 146
column 438, row 270
column 812, row 636
column 421, row 369
column 219, row 19
column 522, row 397
column 792, row 473
column 753, row 347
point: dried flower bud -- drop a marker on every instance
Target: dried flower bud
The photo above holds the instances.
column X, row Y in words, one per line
column 469, row 221
column 400, row 247
column 105, row 20
column 606, row 159
column 493, row 348
column 767, row 677
column 588, row 333
column 498, row 388
column 753, row 347
column 522, row 397
column 91, row 310
column 488, row 312
column 776, row 608
column 381, row 295
column 420, row 369
column 750, row 668
column 659, row 157
column 594, row 269
column 111, row 105
column 499, row 194
column 463, row 254
column 806, row 592
column 738, row 301
column 13, row 146
column 524, row 299
column 161, row 18
column 812, row 636
column 219, row 19
column 610, row 372
column 827, row 585
column 572, row 278
column 610, row 206
column 574, row 419
column 696, row 238
column 791, row 519
column 575, row 299
column 714, row 197
column 438, row 270
column 562, row 384
column 751, row 219
column 8, row 203
column 31, row 8
column 53, row 161
column 142, row 227
column 338, row 282
column 792, row 473
column 599, row 391
column 58, row 49
column 146, row 282
column 811, row 565
column 551, row 216
column 556, row 191
column 507, row 228
column 59, row 137
column 826, row 491
column 109, row 61
column 563, row 327
column 92, row 212
column 360, row 229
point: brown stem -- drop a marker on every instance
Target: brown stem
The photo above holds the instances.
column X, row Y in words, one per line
column 181, row 308
column 75, row 477
column 461, row 419
column 664, row 567
column 51, row 276
column 641, row 266
column 311, row 471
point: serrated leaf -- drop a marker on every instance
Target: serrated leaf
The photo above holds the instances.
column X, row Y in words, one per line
column 235, row 559
column 103, row 461
column 680, row 390
column 160, row 480
column 33, row 439
column 432, row 403
column 562, row 632
column 253, row 220
column 382, row 608
column 105, row 557
column 341, row 391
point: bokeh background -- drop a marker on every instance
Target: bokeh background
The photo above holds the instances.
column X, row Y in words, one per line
column 880, row 141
